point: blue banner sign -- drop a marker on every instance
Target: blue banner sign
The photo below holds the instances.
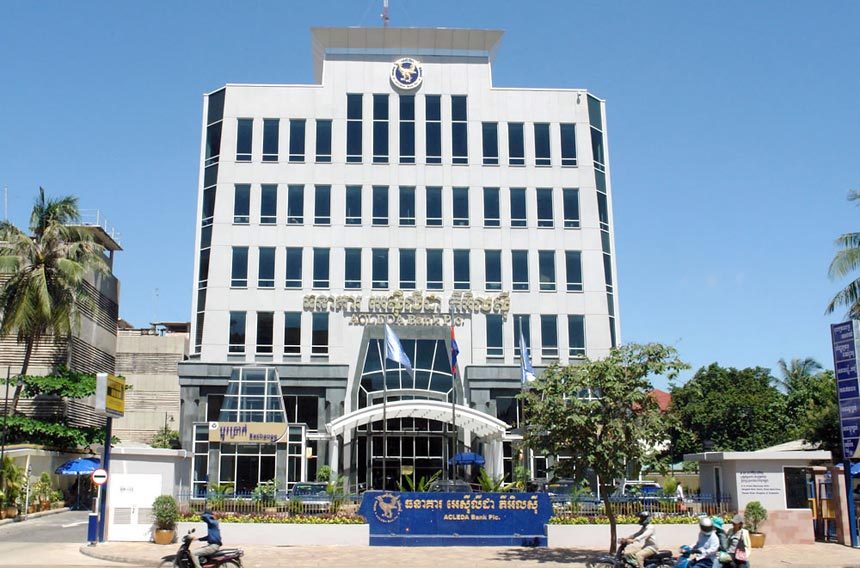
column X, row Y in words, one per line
column 456, row 519
column 844, row 336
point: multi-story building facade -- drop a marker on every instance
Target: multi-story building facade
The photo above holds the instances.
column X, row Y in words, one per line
column 400, row 187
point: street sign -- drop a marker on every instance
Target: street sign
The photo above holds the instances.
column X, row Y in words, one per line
column 845, row 338
column 100, row 477
column 110, row 395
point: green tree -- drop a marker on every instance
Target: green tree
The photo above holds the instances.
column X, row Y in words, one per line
column 604, row 434
column 846, row 261
column 735, row 409
column 795, row 372
column 45, row 271
column 818, row 418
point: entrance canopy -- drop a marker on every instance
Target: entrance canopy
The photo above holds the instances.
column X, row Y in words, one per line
column 482, row 425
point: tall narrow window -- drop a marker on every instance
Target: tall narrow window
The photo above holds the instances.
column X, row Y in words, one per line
column 522, row 325
column 268, row 204
column 597, row 149
column 236, row 339
column 270, row 139
column 461, row 270
column 265, row 332
column 568, row 144
column 542, row 144
column 433, row 125
column 595, row 119
column 407, row 129
column 319, row 333
column 380, row 129
column 239, row 270
column 379, row 269
column 520, row 270
column 321, row 268
column 546, row 270
column 244, row 139
column 518, row 207
column 407, row 206
column 571, row 208
column 380, row 205
column 495, row 346
column 459, row 139
column 576, row 336
column 490, row 132
column 516, row 144
column 434, row 206
column 242, row 204
column 294, row 268
column 573, row 269
column 549, row 336
column 435, row 278
column 207, row 214
column 544, row 207
column 292, row 333
column 353, row 129
column 322, row 205
column 407, row 269
column 297, row 139
column 295, row 205
column 493, row 269
column 353, row 205
column 461, row 206
column 323, row 149
column 491, row 207
column 266, row 268
column 352, row 269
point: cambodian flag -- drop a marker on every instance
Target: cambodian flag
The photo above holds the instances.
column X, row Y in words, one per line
column 455, row 350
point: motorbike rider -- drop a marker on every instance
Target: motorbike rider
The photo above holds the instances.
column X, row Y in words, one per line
column 641, row 544
column 708, row 544
column 212, row 538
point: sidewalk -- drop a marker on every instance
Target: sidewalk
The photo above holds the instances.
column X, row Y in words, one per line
column 147, row 554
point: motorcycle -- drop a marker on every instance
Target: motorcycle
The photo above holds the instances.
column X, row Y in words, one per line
column 226, row 557
column 662, row 558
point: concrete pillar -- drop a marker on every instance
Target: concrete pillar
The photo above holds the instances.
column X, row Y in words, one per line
column 334, row 455
column 281, row 466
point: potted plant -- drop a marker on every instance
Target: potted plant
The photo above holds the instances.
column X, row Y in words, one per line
column 12, row 481
column 57, row 499
column 753, row 515
column 43, row 491
column 166, row 514
column 264, row 494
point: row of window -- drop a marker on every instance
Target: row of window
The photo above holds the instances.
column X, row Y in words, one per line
column 458, row 197
column 542, row 134
column 356, row 258
column 265, row 321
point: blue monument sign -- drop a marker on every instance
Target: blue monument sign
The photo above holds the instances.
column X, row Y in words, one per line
column 456, row 519
column 845, row 337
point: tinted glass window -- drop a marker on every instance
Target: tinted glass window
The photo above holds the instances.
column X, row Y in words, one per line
column 603, row 211
column 459, row 138
column 597, row 146
column 461, row 270
column 433, row 124
column 266, row 272
column 491, row 207
column 518, row 207
column 380, row 129
column 594, row 115
column 520, row 269
column 295, row 205
column 352, row 269
column 407, row 129
column 434, row 206
column 407, row 269
column 242, row 204
column 544, row 207
column 353, row 128
column 407, row 206
column 265, row 321
column 380, row 205
column 495, row 346
column 322, row 205
column 239, row 273
column 323, row 140
column 237, row 332
column 576, row 335
column 294, row 268
column 549, row 336
column 434, row 269
column 319, row 334
column 297, row 140
column 573, row 264
column 490, row 131
column 380, row 269
column 321, row 268
column 493, row 269
column 546, row 270
column 208, row 205
column 292, row 333
column 461, row 206
column 268, row 204
column 270, row 139
column 353, row 205
column 568, row 144
column 542, row 144
column 244, row 133
column 516, row 146
column 571, row 208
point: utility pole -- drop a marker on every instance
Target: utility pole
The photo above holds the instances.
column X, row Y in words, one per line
column 385, row 17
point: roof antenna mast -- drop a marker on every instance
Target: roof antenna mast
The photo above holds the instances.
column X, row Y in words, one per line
column 385, row 13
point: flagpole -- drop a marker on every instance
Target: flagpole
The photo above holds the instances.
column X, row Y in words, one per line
column 524, row 356
column 384, row 419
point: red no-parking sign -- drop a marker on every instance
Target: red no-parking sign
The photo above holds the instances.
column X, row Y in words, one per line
column 99, row 476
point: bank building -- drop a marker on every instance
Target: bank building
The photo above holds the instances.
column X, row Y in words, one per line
column 402, row 187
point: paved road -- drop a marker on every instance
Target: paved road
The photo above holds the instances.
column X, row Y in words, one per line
column 49, row 541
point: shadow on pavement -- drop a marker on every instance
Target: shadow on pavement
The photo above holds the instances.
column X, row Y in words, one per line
column 548, row 555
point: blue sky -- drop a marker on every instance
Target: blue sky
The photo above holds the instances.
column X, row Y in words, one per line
column 732, row 138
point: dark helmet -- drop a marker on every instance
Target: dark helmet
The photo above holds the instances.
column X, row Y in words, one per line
column 644, row 518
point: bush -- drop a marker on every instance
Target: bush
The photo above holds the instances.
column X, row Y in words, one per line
column 621, row 519
column 754, row 514
column 166, row 512
column 284, row 519
column 165, row 438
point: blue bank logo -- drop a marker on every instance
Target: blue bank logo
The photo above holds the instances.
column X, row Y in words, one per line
column 406, row 73
column 387, row 507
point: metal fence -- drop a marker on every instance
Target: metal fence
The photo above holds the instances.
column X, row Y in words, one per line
column 248, row 504
column 657, row 506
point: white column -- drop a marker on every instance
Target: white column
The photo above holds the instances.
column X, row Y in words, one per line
column 333, row 455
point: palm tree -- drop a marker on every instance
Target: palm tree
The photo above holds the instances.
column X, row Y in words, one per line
column 794, row 372
column 846, row 261
column 46, row 271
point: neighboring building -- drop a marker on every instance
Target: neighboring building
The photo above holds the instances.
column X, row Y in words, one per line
column 400, row 187
column 148, row 360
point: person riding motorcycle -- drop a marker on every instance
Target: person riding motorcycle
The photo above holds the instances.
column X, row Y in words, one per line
column 212, row 538
column 708, row 544
column 641, row 544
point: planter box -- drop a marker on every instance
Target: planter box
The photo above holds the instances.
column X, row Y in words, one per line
column 283, row 534
column 596, row 537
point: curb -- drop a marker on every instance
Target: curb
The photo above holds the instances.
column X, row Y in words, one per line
column 93, row 552
column 34, row 516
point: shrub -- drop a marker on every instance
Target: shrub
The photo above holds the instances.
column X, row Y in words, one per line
column 622, row 520
column 754, row 514
column 283, row 519
column 166, row 512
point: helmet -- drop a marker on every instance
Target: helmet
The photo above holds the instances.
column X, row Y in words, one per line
column 706, row 524
column 718, row 522
column 644, row 518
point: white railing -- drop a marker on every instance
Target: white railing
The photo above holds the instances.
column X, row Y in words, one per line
column 95, row 218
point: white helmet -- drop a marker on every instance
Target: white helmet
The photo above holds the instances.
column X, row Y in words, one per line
column 706, row 524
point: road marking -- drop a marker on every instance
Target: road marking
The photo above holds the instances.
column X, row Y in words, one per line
column 73, row 524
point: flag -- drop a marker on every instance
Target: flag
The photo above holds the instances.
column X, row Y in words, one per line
column 527, row 372
column 394, row 350
column 455, row 350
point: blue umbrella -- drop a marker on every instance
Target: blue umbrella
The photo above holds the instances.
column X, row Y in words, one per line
column 467, row 458
column 78, row 466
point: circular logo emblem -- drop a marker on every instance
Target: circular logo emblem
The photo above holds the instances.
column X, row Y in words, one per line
column 213, row 425
column 406, row 73
column 386, row 508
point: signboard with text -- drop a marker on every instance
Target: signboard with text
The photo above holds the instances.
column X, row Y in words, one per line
column 845, row 336
column 110, row 395
column 456, row 519
column 247, row 432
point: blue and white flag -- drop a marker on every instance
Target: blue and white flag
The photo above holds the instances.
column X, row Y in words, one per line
column 394, row 350
column 527, row 372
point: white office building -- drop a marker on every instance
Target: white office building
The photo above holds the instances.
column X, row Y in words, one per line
column 402, row 187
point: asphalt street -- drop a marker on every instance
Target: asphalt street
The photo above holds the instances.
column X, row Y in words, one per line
column 70, row 526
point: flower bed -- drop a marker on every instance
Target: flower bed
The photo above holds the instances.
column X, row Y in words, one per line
column 621, row 520
column 280, row 518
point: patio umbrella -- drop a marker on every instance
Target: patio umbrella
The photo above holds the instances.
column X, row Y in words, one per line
column 467, row 458
column 78, row 467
